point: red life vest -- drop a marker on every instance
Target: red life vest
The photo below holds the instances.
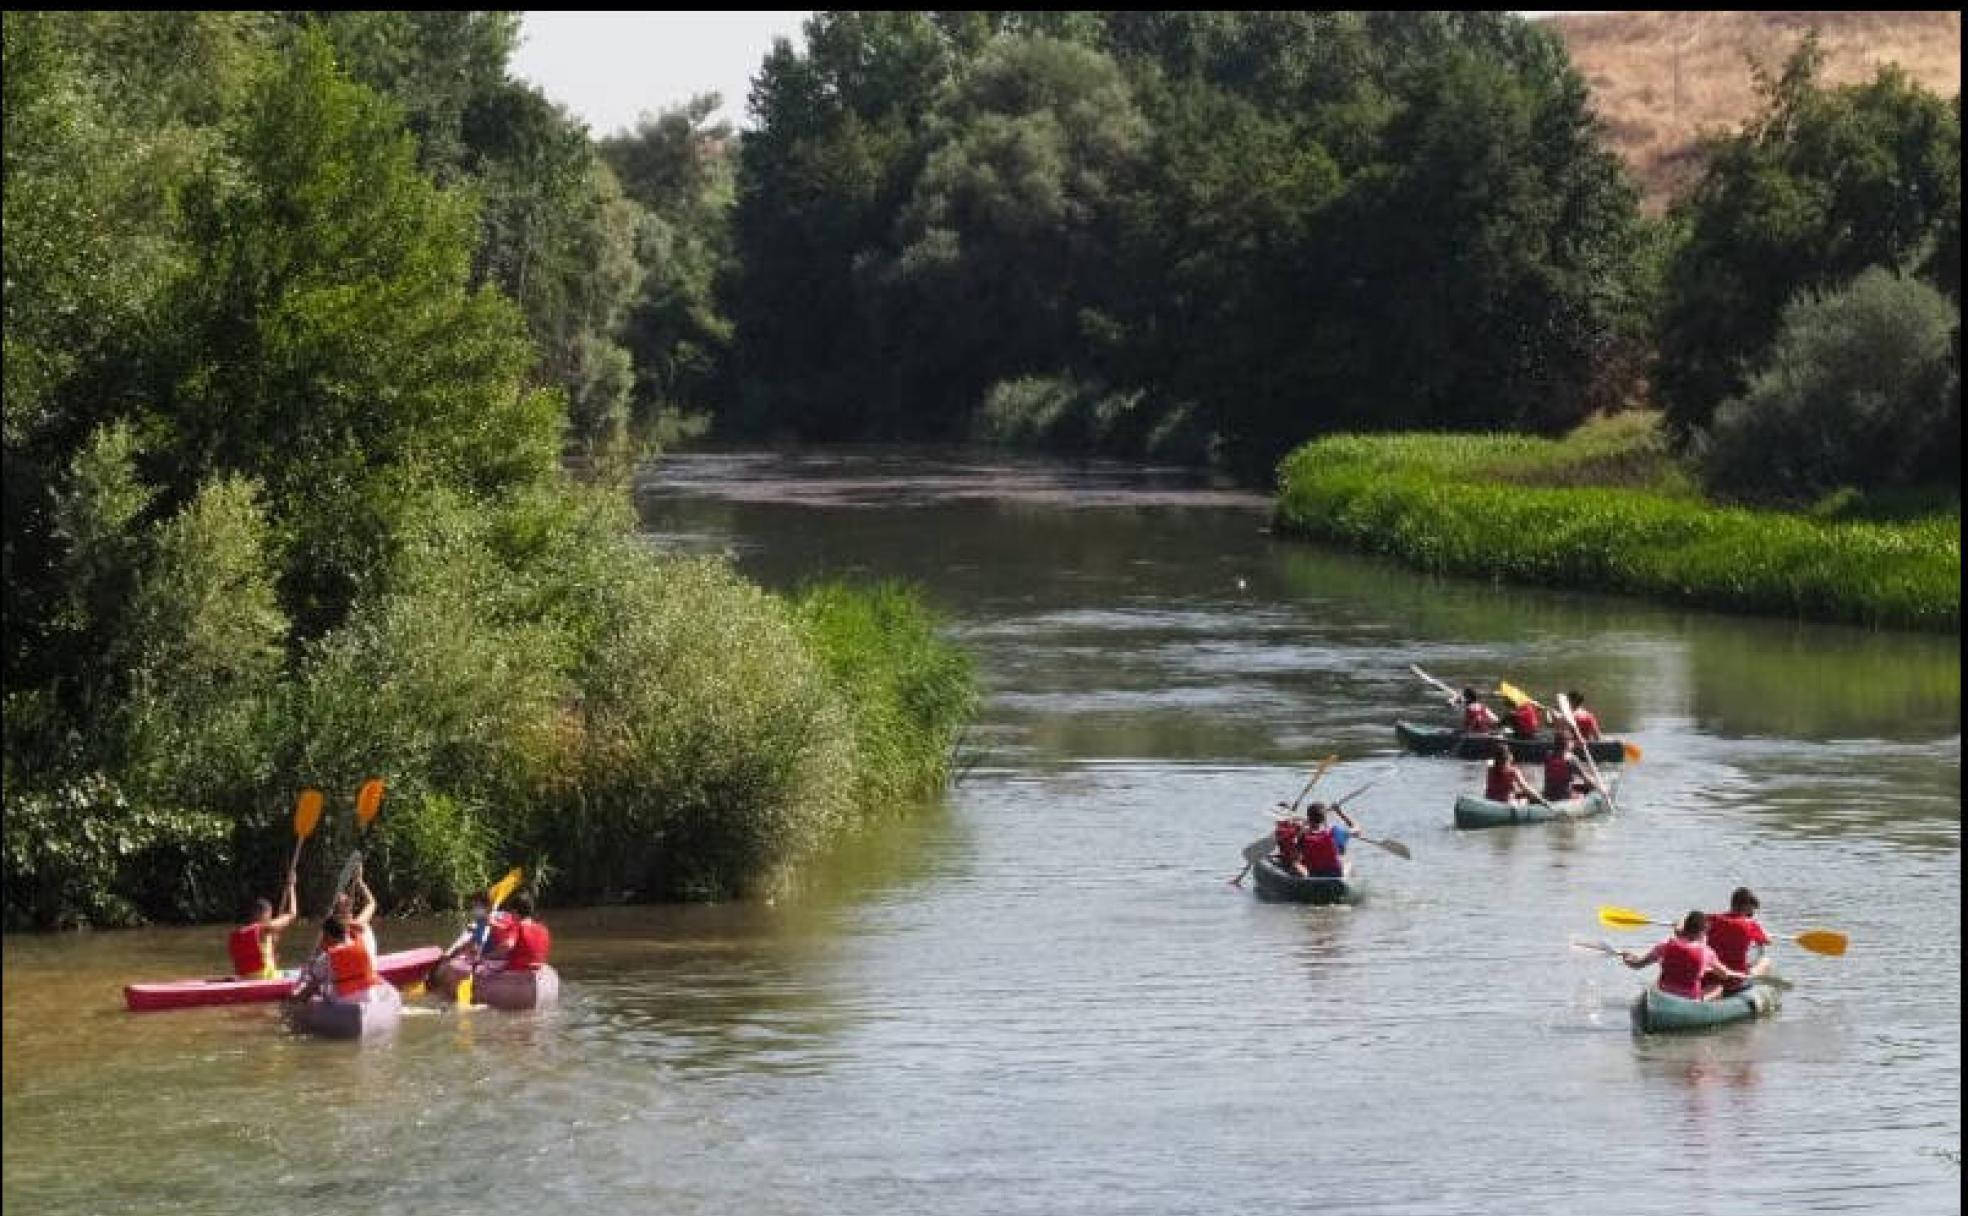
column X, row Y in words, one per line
column 1527, row 719
column 531, row 944
column 1477, row 719
column 1558, row 775
column 1499, row 783
column 1320, row 852
column 1683, row 964
column 1731, row 937
column 1285, row 836
column 354, row 971
column 251, row 948
column 1588, row 724
column 504, row 928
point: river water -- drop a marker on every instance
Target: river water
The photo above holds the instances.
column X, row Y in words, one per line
column 1041, row 994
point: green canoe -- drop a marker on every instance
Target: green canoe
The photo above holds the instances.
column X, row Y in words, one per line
column 1277, row 884
column 1482, row 813
column 1447, row 740
column 1655, row 1011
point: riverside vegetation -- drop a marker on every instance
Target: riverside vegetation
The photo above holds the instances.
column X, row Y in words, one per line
column 294, row 365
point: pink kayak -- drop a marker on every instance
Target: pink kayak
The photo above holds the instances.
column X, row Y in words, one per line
column 402, row 968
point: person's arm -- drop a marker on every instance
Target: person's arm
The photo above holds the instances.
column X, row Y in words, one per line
column 368, row 911
column 1344, row 817
column 287, row 906
column 311, row 979
column 1637, row 961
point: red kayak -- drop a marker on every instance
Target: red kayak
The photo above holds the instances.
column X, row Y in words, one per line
column 402, row 968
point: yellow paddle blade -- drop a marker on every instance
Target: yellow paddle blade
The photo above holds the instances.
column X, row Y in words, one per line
column 1822, row 941
column 307, row 813
column 1623, row 918
column 464, row 991
column 368, row 800
column 1512, row 693
column 414, row 991
column 1632, row 752
column 505, row 887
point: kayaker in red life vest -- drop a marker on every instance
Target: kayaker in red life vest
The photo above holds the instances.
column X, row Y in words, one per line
column 1477, row 718
column 1689, row 967
column 1285, row 837
column 1502, row 782
column 1322, row 849
column 1588, row 722
column 251, row 944
column 1733, row 934
column 1563, row 778
column 359, row 923
column 343, row 971
column 531, row 943
column 1525, row 720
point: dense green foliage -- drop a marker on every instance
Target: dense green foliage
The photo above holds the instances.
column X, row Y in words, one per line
column 1460, row 505
column 291, row 366
column 1193, row 233
column 1821, row 185
column 1861, row 390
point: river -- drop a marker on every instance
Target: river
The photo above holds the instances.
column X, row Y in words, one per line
column 1042, row 995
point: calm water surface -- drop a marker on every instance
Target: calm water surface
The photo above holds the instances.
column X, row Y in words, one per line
column 1041, row 995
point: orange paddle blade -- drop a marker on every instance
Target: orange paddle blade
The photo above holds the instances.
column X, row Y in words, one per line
column 1632, row 751
column 368, row 800
column 1624, row 918
column 307, row 813
column 1822, row 941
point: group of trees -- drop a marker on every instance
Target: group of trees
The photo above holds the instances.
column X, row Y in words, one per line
column 1199, row 233
column 303, row 321
column 1216, row 234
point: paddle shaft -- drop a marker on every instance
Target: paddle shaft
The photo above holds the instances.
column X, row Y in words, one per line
column 1455, row 698
column 1598, row 778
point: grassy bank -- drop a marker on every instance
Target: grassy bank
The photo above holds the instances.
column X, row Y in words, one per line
column 1608, row 509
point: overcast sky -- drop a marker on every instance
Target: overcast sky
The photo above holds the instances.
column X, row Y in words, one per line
column 608, row 68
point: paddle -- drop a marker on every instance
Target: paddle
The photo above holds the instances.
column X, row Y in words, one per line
column 500, row 890
column 1392, row 846
column 1455, row 698
column 1317, row 773
column 1571, row 720
column 307, row 813
column 1817, row 941
column 1773, row 981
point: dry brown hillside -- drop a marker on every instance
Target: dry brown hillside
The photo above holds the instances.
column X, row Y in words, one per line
column 1660, row 78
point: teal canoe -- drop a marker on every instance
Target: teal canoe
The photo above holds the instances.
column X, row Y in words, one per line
column 1447, row 740
column 1277, row 884
column 1482, row 813
column 1655, row 1012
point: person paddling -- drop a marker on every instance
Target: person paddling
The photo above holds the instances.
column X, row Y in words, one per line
column 1588, row 722
column 527, row 946
column 1322, row 848
column 344, row 970
column 359, row 922
column 1477, row 718
column 1284, row 837
column 1735, row 933
column 476, row 938
column 1525, row 720
column 252, row 944
column 1689, row 967
column 1502, row 782
column 1563, row 777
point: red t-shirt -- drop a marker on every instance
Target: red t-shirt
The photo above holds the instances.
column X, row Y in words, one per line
column 1588, row 724
column 251, row 954
column 1285, row 836
column 1499, row 783
column 531, row 945
column 504, row 926
column 1527, row 719
column 1477, row 719
column 1558, row 775
column 1320, row 852
column 1731, row 937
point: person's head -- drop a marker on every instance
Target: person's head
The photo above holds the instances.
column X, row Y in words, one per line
column 334, row 930
column 1563, row 743
column 1578, row 699
column 522, row 905
column 1743, row 902
column 1693, row 927
column 1471, row 696
column 343, row 904
column 259, row 910
column 1501, row 753
column 1315, row 815
column 481, row 905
